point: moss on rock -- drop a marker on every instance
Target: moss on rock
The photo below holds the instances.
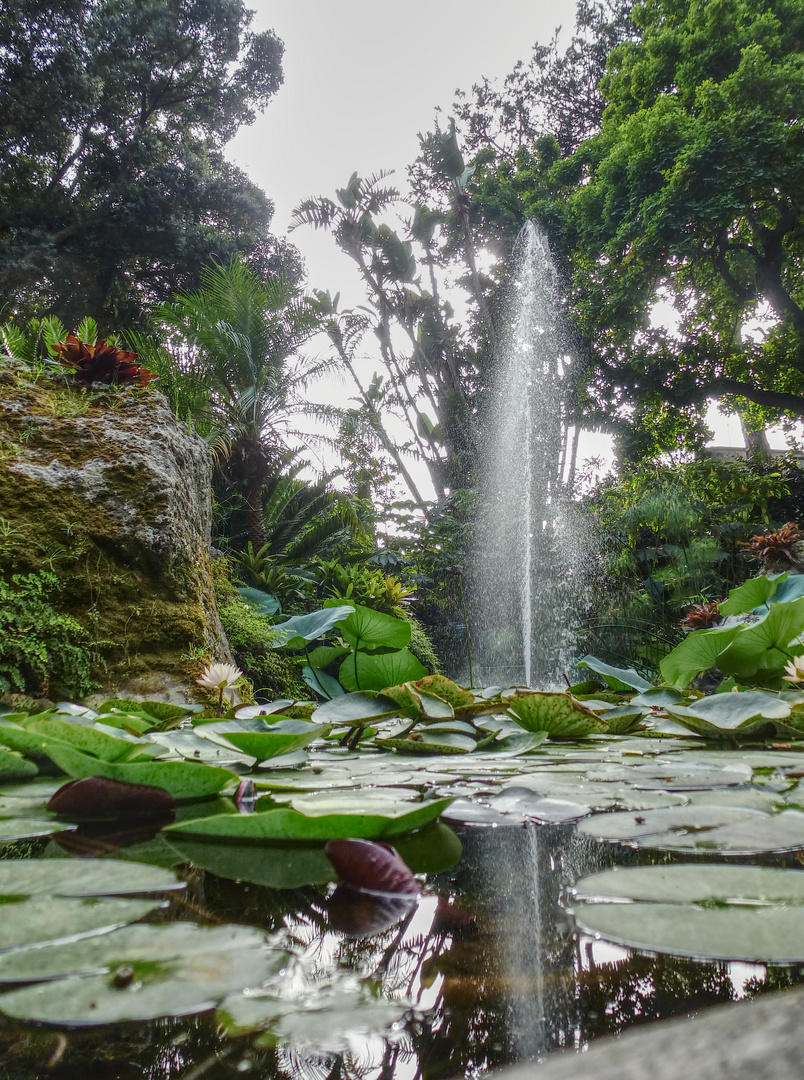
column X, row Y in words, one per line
column 109, row 493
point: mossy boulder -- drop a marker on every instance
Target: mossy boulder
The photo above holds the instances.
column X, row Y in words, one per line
column 106, row 490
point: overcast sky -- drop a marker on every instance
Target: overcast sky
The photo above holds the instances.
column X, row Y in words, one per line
column 362, row 77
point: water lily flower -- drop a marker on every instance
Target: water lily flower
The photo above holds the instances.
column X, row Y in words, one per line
column 795, row 670
column 220, row 677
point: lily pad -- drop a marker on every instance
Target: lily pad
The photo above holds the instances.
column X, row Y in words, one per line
column 51, row 918
column 56, row 877
column 375, row 671
column 745, row 913
column 156, row 984
column 557, row 713
column 701, row 828
column 743, row 713
column 621, row 679
column 272, row 825
column 353, row 710
column 14, row 766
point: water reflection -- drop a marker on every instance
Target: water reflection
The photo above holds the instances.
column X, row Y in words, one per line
column 487, row 957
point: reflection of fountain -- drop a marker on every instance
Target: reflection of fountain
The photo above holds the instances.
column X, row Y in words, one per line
column 525, row 579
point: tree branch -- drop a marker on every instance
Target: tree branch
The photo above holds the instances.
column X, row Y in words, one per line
column 774, row 399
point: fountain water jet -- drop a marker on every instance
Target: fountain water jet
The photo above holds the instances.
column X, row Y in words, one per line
column 526, row 575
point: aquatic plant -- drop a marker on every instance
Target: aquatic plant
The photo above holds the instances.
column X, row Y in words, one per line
column 221, row 677
column 101, row 362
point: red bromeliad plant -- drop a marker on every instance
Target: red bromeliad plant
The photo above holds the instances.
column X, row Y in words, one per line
column 102, row 362
column 701, row 616
column 779, row 550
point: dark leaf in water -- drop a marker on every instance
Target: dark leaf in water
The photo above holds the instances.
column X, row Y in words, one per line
column 360, row 914
column 371, row 867
column 96, row 839
column 97, row 798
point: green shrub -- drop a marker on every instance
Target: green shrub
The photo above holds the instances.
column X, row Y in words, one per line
column 42, row 652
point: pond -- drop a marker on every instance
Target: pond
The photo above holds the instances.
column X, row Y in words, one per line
column 521, row 942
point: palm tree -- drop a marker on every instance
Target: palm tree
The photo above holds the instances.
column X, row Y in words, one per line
column 241, row 335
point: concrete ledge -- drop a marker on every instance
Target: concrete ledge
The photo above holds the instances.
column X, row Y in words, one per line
column 760, row 1039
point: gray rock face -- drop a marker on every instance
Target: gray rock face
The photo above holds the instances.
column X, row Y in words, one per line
column 760, row 1039
column 109, row 491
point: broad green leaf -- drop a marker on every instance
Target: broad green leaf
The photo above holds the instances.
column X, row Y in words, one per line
column 698, row 652
column 791, row 587
column 291, row 825
column 25, row 828
column 557, row 713
column 620, row 679
column 368, row 629
column 763, row 648
column 621, row 718
column 751, row 594
column 324, row 655
column 294, row 633
column 375, row 671
column 352, row 710
column 264, row 603
column 419, row 704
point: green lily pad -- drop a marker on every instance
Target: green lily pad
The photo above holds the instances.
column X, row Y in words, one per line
column 745, row 913
column 760, row 650
column 160, row 985
column 278, row 866
column 327, row 1018
column 87, row 739
column 353, row 710
column 743, row 713
column 283, row 824
column 26, row 828
column 701, row 828
column 557, row 713
column 621, row 719
column 54, row 877
column 50, row 918
column 430, row 742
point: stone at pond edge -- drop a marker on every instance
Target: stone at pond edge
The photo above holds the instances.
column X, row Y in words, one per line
column 122, row 489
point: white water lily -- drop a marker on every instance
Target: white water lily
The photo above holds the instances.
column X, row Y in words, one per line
column 220, row 677
column 795, row 670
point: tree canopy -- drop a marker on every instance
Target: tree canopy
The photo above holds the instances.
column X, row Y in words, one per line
column 113, row 117
column 690, row 197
